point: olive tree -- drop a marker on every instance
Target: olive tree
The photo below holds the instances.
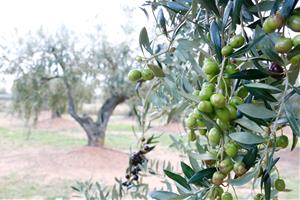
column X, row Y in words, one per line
column 230, row 67
column 62, row 69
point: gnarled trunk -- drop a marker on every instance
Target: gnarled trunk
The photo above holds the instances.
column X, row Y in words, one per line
column 95, row 131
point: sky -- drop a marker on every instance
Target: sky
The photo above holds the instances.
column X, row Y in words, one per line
column 78, row 15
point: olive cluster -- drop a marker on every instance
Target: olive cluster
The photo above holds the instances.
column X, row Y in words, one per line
column 236, row 42
column 218, row 193
column 136, row 160
column 222, row 110
column 283, row 44
column 145, row 74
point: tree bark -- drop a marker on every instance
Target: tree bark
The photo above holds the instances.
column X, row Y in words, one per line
column 95, row 131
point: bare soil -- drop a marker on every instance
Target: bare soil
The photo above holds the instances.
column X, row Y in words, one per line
column 98, row 164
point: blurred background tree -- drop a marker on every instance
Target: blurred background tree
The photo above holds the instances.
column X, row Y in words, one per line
column 57, row 72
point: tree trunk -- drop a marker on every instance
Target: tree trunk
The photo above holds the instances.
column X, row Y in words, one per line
column 55, row 114
column 95, row 131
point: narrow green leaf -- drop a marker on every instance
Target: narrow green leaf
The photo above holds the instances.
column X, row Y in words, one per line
column 263, row 6
column 245, row 178
column 237, row 13
column 156, row 70
column 247, row 15
column 227, row 13
column 162, row 195
column 288, row 7
column 250, row 125
column 176, row 7
column 295, row 51
column 248, row 46
column 295, row 141
column 250, row 158
column 262, row 86
column 187, row 170
column 144, row 41
column 267, row 187
column 272, row 54
column 216, row 39
column 194, row 163
column 248, row 74
column 293, row 74
column 246, row 138
column 292, row 120
column 179, row 179
column 162, row 21
column 203, row 174
column 256, row 111
column 262, row 94
column 210, row 6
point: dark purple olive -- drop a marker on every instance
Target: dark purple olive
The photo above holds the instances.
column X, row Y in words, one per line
column 136, row 159
column 127, row 176
column 135, row 177
column 146, row 148
column 276, row 71
column 136, row 170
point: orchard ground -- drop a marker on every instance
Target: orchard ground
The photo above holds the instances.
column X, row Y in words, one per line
column 46, row 162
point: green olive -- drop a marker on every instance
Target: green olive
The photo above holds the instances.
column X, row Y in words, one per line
column 227, row 196
column 231, row 69
column 205, row 93
column 279, row 185
column 282, row 141
column 202, row 127
column 237, row 41
column 218, row 178
column 192, row 135
column 283, row 45
column 235, row 101
column 295, row 60
column 223, row 114
column 269, row 25
column 227, row 50
column 208, row 85
column 226, row 166
column 224, row 125
column 191, row 122
column 205, row 106
column 231, row 149
column 147, row 74
column 239, row 168
column 242, row 92
column 296, row 40
column 134, row 75
column 214, row 136
column 210, row 67
column 232, row 112
column 218, row 100
column 293, row 23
